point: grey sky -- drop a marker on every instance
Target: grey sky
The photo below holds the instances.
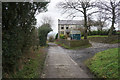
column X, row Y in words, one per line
column 54, row 13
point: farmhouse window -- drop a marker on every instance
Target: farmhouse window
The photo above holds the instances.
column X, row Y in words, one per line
column 66, row 27
column 62, row 27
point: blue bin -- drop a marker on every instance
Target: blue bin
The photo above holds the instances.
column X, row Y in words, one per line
column 76, row 36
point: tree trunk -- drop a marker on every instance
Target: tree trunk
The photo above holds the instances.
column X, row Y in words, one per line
column 85, row 33
column 85, row 24
column 111, row 30
column 113, row 21
column 89, row 29
column 101, row 26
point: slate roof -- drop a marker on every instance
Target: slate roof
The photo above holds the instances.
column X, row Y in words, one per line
column 75, row 22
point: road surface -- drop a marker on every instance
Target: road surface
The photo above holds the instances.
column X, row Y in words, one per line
column 60, row 65
column 65, row 63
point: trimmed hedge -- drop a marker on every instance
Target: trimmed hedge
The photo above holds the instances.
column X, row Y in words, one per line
column 111, row 39
column 98, row 32
column 75, row 43
column 104, row 32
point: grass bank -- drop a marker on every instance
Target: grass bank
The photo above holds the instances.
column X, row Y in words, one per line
column 105, row 64
column 33, row 64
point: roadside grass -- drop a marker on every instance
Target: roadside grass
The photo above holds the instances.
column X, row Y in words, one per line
column 105, row 64
column 33, row 66
column 96, row 36
column 67, row 47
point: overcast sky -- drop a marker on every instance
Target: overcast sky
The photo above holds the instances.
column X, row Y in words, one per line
column 55, row 14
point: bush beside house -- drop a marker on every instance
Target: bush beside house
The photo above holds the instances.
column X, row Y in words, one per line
column 51, row 39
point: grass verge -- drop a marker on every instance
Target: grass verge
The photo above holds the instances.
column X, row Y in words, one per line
column 33, row 66
column 105, row 64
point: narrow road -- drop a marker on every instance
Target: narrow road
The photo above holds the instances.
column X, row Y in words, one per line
column 60, row 65
column 81, row 55
column 65, row 63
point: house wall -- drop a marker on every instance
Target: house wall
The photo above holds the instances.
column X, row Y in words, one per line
column 64, row 30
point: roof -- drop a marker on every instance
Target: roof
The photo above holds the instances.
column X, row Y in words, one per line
column 76, row 22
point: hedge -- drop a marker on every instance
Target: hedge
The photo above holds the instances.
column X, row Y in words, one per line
column 111, row 39
column 74, row 43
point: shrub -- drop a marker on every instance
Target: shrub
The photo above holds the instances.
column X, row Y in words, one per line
column 62, row 36
column 42, row 33
column 51, row 39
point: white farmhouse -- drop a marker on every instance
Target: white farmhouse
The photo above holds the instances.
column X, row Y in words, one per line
column 67, row 27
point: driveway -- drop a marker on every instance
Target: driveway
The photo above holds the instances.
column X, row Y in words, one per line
column 60, row 65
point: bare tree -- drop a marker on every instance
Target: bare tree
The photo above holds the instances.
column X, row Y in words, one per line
column 47, row 20
column 74, row 6
column 90, row 23
column 101, row 21
column 110, row 8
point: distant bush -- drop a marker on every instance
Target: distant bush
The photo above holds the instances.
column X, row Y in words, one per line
column 43, row 31
column 51, row 39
